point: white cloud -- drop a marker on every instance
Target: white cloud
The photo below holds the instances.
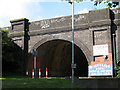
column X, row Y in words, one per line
column 12, row 8
column 83, row 11
column 15, row 9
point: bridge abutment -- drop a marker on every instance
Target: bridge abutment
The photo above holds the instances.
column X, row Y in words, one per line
column 17, row 27
column 92, row 31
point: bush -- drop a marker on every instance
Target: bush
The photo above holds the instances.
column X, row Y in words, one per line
column 10, row 52
column 117, row 68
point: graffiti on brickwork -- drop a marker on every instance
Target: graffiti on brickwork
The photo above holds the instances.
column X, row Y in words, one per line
column 80, row 18
column 58, row 20
column 116, row 11
column 45, row 24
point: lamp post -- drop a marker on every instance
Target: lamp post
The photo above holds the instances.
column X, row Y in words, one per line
column 72, row 65
column 114, row 52
column 73, row 44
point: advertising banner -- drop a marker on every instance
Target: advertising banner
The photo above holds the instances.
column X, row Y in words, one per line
column 102, row 64
column 101, row 70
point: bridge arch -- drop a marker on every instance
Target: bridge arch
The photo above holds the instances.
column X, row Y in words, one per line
column 81, row 52
column 77, row 42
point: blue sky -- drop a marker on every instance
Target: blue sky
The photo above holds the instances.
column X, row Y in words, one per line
column 40, row 9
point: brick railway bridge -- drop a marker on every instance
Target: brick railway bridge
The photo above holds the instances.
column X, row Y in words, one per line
column 96, row 34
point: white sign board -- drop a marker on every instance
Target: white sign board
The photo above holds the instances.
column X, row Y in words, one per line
column 100, row 70
column 100, row 50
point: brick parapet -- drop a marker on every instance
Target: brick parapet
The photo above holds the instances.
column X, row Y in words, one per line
column 96, row 18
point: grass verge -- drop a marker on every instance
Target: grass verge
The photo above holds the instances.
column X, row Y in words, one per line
column 50, row 82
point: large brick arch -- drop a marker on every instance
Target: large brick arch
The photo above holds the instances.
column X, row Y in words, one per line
column 77, row 42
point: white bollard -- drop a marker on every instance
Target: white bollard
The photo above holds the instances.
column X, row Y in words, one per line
column 32, row 73
column 46, row 72
column 39, row 73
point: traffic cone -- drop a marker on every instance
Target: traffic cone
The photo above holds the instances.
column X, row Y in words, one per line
column 46, row 72
column 39, row 73
column 32, row 73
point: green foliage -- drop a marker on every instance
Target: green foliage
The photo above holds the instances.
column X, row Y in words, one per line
column 6, row 46
column 10, row 53
column 109, row 3
column 117, row 68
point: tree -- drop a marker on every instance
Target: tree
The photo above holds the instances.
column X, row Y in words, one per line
column 10, row 52
column 109, row 3
column 6, row 46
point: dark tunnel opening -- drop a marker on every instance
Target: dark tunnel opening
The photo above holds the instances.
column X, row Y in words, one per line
column 56, row 55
